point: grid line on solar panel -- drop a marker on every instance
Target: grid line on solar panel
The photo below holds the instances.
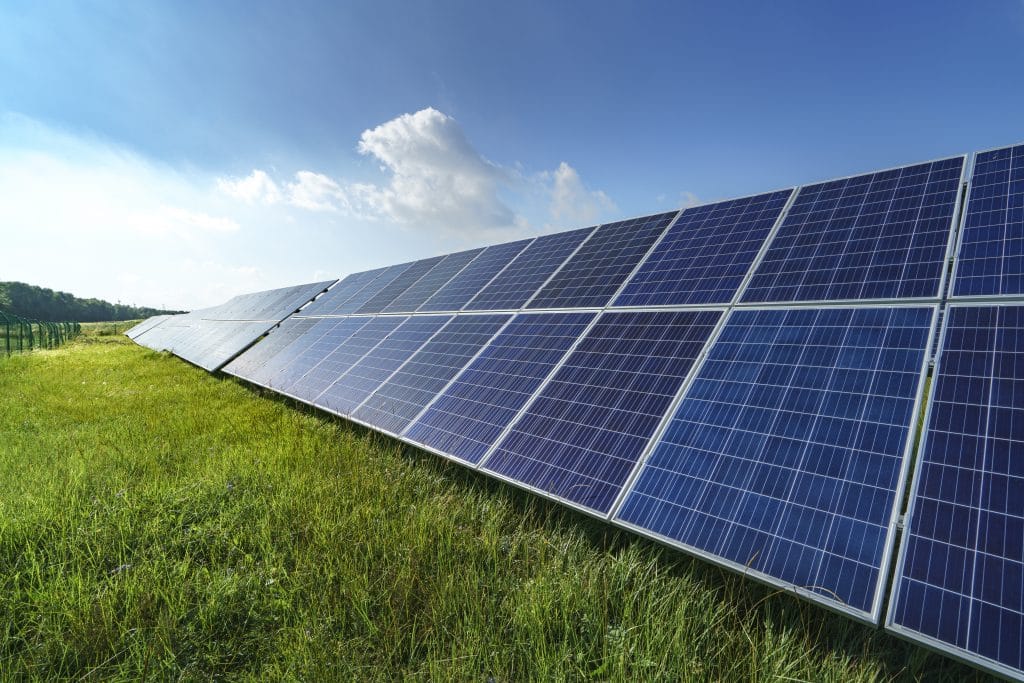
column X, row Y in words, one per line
column 959, row 583
column 475, row 277
column 705, row 255
column 394, row 289
column 405, row 394
column 583, row 432
column 877, row 236
column 529, row 271
column 261, row 363
column 990, row 253
column 349, row 390
column 337, row 305
column 476, row 408
column 416, row 295
column 596, row 272
column 787, row 455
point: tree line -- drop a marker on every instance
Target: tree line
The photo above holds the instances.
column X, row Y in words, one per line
column 29, row 301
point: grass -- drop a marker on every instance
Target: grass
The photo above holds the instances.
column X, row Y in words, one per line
column 160, row 522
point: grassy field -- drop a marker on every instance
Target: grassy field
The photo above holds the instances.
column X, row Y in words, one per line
column 159, row 522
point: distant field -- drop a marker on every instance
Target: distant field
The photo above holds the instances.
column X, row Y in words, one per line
column 159, row 522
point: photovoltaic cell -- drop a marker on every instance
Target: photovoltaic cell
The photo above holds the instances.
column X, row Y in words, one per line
column 464, row 286
column 876, row 236
column 706, row 254
column 438, row 276
column 373, row 369
column 594, row 274
column 991, row 256
column 960, row 581
column 379, row 301
column 399, row 400
column 334, row 358
column 582, row 436
column 332, row 302
column 466, row 420
column 785, row 456
column 257, row 362
column 335, row 303
column 514, row 286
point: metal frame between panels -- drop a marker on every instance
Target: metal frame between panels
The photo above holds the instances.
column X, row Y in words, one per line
column 940, row 646
column 881, row 585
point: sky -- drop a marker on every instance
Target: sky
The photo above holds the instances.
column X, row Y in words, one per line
column 174, row 154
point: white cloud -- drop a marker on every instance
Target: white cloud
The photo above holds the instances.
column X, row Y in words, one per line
column 688, row 199
column 255, row 187
column 572, row 202
column 316, row 192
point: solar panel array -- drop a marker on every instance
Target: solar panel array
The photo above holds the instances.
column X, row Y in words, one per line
column 741, row 380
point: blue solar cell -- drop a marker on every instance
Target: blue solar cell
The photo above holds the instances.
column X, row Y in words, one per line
column 335, row 304
column 580, row 439
column 333, row 301
column 314, row 344
column 373, row 369
column 471, row 414
column 379, row 301
column 991, row 256
column 438, row 276
column 332, row 359
column 594, row 274
column 464, row 286
column 399, row 400
column 706, row 254
column 259, row 361
column 960, row 580
column 876, row 236
column 514, row 286
column 785, row 456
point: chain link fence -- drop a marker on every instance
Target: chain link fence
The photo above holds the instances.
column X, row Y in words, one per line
column 20, row 334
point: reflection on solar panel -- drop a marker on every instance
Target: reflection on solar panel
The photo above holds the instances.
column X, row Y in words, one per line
column 514, row 286
column 373, row 369
column 464, row 286
column 340, row 301
column 438, row 276
column 145, row 326
column 786, row 456
column 394, row 289
column 263, row 359
column 582, row 436
column 960, row 580
column 991, row 257
column 592, row 276
column 705, row 254
column 333, row 301
column 877, row 236
column 326, row 365
column 211, row 337
column 399, row 400
column 482, row 401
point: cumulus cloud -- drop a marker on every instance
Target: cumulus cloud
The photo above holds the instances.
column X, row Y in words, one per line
column 434, row 179
column 572, row 201
column 255, row 187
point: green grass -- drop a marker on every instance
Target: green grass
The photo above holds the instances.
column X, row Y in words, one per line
column 159, row 522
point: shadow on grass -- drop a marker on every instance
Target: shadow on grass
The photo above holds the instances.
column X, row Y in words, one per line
column 752, row 600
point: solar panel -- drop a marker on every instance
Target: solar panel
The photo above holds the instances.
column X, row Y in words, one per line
column 960, row 576
column 474, row 277
column 592, row 276
column 334, row 359
column 990, row 260
column 399, row 400
column 373, row 369
column 261, row 363
column 312, row 348
column 881, row 235
column 340, row 293
column 473, row 411
column 706, row 253
column 438, row 276
column 514, row 286
column 394, row 289
column 145, row 326
column 582, row 436
column 786, row 457
column 342, row 301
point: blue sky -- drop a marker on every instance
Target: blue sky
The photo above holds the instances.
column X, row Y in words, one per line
column 175, row 154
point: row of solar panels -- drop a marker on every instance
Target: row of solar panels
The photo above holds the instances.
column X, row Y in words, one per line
column 740, row 380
